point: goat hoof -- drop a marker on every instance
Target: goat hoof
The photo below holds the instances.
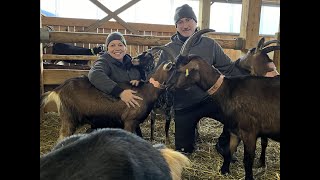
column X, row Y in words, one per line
column 224, row 171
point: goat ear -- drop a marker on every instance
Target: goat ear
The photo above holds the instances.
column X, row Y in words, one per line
column 190, row 66
column 167, row 66
column 260, row 45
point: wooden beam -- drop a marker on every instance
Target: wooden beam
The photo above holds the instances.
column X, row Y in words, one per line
column 114, row 16
column 107, row 18
column 70, row 57
column 250, row 21
column 71, row 22
column 264, row 2
column 58, row 76
column 99, row 38
column 204, row 14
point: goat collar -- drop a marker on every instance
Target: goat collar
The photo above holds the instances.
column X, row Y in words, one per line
column 156, row 84
column 216, row 85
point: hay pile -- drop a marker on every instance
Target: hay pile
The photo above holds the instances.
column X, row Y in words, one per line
column 206, row 162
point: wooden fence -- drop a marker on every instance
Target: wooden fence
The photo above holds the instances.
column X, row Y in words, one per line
column 70, row 30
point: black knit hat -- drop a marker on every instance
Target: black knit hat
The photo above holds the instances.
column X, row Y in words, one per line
column 115, row 36
column 184, row 11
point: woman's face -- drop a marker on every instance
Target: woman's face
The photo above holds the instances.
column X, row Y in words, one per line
column 117, row 49
column 186, row 26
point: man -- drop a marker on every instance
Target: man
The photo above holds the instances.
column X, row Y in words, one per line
column 192, row 104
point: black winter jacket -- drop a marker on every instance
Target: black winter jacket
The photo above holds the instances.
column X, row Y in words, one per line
column 211, row 52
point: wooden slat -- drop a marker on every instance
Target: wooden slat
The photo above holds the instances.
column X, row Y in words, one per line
column 58, row 76
column 69, row 57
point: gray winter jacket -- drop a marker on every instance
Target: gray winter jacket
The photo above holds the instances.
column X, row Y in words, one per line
column 107, row 73
column 211, row 52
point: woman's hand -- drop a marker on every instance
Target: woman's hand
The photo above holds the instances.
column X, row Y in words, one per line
column 134, row 82
column 129, row 98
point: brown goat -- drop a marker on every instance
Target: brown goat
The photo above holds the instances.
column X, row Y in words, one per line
column 250, row 105
column 258, row 63
column 163, row 105
column 79, row 102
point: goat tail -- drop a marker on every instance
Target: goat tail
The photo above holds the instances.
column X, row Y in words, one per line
column 176, row 161
column 48, row 97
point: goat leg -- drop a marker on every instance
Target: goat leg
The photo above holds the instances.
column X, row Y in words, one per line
column 225, row 168
column 167, row 125
column 262, row 160
column 152, row 119
column 138, row 131
column 67, row 126
column 249, row 142
column 233, row 144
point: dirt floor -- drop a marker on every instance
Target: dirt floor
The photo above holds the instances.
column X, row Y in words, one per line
column 206, row 162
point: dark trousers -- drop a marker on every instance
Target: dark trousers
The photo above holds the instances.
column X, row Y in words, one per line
column 187, row 119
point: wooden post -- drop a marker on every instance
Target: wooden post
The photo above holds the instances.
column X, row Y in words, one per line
column 250, row 21
column 41, row 73
column 41, row 64
column 204, row 14
column 276, row 54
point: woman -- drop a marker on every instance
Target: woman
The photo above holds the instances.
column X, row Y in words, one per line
column 114, row 67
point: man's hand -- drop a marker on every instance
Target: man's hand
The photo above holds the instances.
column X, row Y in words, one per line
column 134, row 82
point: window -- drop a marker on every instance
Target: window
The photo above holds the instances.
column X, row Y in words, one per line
column 224, row 17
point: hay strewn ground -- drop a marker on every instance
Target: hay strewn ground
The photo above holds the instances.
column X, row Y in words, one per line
column 206, row 162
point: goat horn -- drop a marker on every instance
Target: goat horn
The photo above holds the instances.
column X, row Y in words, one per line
column 270, row 42
column 168, row 50
column 187, row 45
column 269, row 49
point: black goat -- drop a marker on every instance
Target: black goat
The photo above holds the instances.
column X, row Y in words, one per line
column 111, row 154
column 79, row 102
column 250, row 105
column 70, row 49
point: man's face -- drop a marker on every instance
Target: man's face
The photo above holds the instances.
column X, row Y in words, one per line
column 186, row 26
